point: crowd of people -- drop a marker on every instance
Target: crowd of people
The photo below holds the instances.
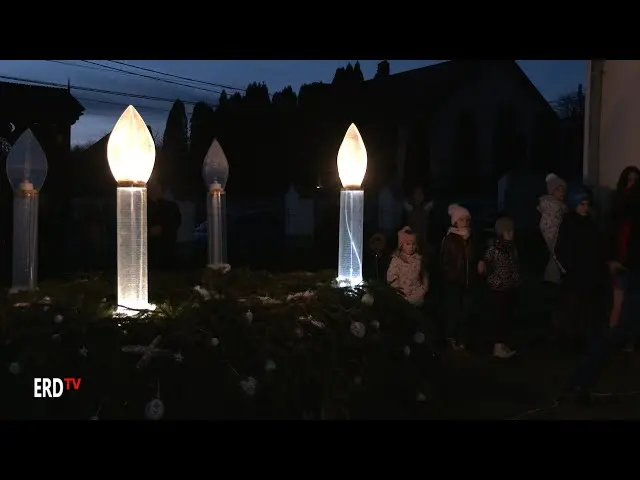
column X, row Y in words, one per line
column 591, row 275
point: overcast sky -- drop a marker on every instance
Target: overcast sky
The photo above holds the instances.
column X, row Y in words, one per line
column 552, row 77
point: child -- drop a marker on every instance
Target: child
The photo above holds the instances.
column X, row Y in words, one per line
column 503, row 277
column 460, row 265
column 580, row 252
column 405, row 272
column 552, row 208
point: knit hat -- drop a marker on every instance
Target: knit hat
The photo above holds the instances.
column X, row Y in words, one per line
column 576, row 197
column 553, row 182
column 504, row 224
column 456, row 212
column 405, row 235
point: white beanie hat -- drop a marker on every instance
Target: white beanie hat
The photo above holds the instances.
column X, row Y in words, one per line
column 553, row 182
column 456, row 212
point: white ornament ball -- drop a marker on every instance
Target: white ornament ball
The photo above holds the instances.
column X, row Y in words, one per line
column 56, row 337
column 420, row 397
column 215, row 342
column 358, row 329
column 58, row 319
column 375, row 324
column 154, row 410
column 367, row 299
column 15, row 368
column 269, row 366
column 419, row 338
column 407, row 351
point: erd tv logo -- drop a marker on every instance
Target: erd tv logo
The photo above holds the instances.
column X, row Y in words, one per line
column 54, row 387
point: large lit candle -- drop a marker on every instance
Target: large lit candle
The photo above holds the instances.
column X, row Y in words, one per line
column 215, row 171
column 131, row 153
column 352, row 166
column 27, row 170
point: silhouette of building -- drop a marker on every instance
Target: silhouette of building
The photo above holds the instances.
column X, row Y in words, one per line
column 458, row 124
column 49, row 112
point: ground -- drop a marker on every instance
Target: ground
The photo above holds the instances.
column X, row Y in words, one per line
column 306, row 350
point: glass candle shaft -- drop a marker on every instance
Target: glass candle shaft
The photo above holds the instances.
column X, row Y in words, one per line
column 133, row 287
column 350, row 240
column 217, row 227
column 25, row 241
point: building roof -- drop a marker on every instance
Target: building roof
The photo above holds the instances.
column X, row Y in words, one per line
column 54, row 103
column 422, row 89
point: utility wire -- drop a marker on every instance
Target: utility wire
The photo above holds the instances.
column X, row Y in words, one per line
column 120, row 70
column 94, row 90
column 68, row 64
column 228, row 87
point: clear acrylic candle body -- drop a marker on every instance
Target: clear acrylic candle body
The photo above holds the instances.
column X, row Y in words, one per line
column 350, row 237
column 133, row 287
column 217, row 233
column 25, row 240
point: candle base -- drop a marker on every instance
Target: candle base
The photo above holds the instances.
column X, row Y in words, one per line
column 350, row 238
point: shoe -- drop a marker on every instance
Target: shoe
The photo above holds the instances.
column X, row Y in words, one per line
column 500, row 350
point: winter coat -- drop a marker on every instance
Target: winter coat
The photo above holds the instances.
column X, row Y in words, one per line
column 405, row 273
column 459, row 259
column 580, row 251
column 503, row 265
column 552, row 211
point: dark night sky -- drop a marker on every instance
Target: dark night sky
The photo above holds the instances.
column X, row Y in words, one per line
column 552, row 77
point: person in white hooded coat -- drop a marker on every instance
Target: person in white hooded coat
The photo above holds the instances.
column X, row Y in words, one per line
column 552, row 209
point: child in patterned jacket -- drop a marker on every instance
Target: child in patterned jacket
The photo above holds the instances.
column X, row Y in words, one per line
column 503, row 276
column 405, row 272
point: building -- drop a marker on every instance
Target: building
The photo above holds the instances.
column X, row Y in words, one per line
column 612, row 119
column 49, row 112
column 458, row 124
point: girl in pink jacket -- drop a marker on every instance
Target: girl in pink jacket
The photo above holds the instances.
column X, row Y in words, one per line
column 405, row 272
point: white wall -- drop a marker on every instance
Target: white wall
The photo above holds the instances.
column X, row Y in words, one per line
column 620, row 120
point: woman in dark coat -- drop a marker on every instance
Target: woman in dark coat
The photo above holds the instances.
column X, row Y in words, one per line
column 626, row 198
column 580, row 251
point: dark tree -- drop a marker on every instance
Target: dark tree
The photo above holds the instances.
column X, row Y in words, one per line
column 357, row 73
column 571, row 110
column 175, row 151
column 201, row 134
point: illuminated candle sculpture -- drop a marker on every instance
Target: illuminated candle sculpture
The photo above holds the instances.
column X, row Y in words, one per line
column 131, row 153
column 352, row 165
column 215, row 170
column 27, row 170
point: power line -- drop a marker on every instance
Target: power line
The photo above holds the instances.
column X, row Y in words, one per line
column 150, row 77
column 178, row 76
column 95, row 90
column 74, row 65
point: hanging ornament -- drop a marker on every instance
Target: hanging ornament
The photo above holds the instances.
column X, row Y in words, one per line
column 367, row 299
column 15, row 368
column 269, row 366
column 358, row 329
column 154, row 410
column 58, row 319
